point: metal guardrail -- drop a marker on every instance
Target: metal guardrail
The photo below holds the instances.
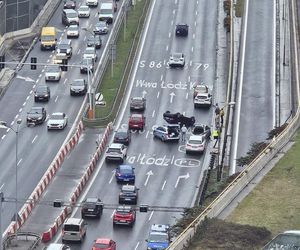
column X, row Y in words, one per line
column 27, row 236
column 246, row 176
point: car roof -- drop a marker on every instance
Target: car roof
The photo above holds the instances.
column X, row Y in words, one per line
column 92, row 199
column 139, row 98
column 116, row 145
column 69, row 11
column 58, row 113
column 65, row 41
column 73, row 221
column 137, row 115
column 160, row 228
column 103, row 240
column 125, row 167
column 128, row 188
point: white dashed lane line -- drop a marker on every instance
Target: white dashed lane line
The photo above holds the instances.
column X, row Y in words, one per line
column 56, row 99
column 20, row 110
column 169, row 34
column 187, row 96
column 137, row 245
column 151, row 215
column 78, row 51
column 16, row 117
column 192, row 49
column 112, row 214
column 158, row 94
column 65, row 80
column 3, row 136
column 161, row 77
column 31, row 91
column 153, row 113
column 24, row 104
column 167, row 47
column 19, row 162
column 27, row 98
column 34, row 139
column 163, row 186
column 194, row 36
column 12, row 123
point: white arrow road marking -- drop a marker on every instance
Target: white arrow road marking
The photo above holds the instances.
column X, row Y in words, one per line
column 182, row 177
column 151, row 215
column 144, row 93
column 26, row 79
column 163, row 186
column 148, row 176
column 172, row 96
column 111, row 178
column 137, row 245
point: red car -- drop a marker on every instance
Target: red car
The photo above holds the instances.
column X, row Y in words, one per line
column 136, row 121
column 104, row 244
column 124, row 215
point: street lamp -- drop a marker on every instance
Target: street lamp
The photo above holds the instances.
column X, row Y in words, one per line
column 91, row 89
column 4, row 125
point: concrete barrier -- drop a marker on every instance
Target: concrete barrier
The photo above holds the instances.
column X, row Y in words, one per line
column 50, row 233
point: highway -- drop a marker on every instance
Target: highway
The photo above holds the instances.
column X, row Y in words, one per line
column 37, row 147
column 164, row 174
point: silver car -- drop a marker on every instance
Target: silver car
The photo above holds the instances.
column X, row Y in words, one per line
column 84, row 11
column 73, row 31
column 90, row 52
column 57, row 120
column 53, row 73
column 177, row 60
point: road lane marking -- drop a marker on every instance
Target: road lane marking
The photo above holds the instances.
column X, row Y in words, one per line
column 196, row 13
column 48, row 60
column 151, row 215
column 20, row 110
column 19, row 162
column 169, row 34
column 153, row 113
column 113, row 213
column 43, row 70
column 158, row 94
column 12, row 123
column 16, row 117
column 3, row 136
column 2, row 186
column 24, row 104
column 34, row 139
column 84, row 38
column 111, row 178
column 147, row 134
column 65, row 80
column 7, row 130
column 37, row 80
column 161, row 77
column 172, row 22
column 163, row 186
column 167, row 48
column 40, row 75
column 31, row 91
column 194, row 36
column 192, row 49
column 34, row 86
column 173, row 12
column 78, row 51
column 56, row 98
column 187, row 96
column 96, row 14
column 137, row 245
column 27, row 97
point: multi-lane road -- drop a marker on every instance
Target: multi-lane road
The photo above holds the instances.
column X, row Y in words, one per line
column 164, row 174
column 36, row 146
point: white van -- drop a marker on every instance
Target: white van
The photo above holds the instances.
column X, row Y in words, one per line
column 74, row 229
column 106, row 12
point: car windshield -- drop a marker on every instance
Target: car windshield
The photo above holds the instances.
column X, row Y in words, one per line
column 72, row 15
column 136, row 118
column 176, row 55
column 101, row 246
column 73, row 28
column 158, row 237
column 89, row 204
column 126, row 170
column 63, row 46
column 121, row 134
column 137, row 100
column 53, row 68
column 57, row 117
column 84, row 8
column 47, row 38
column 113, row 150
column 106, row 11
column 122, row 211
column 74, row 228
column 284, row 241
column 195, row 141
column 78, row 83
column 35, row 111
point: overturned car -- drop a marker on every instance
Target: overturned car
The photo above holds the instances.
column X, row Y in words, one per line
column 178, row 118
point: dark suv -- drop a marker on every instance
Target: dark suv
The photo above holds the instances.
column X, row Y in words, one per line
column 69, row 4
column 42, row 93
column 128, row 194
column 94, row 41
column 182, row 30
column 123, row 136
column 37, row 115
column 92, row 207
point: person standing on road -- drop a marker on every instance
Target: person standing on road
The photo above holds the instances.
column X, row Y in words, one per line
column 222, row 116
column 215, row 135
column 183, row 133
column 217, row 109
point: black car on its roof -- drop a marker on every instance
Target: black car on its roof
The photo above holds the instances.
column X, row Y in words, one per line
column 92, row 207
column 94, row 41
column 182, row 30
column 42, row 93
column 123, row 136
column 37, row 115
column 128, row 194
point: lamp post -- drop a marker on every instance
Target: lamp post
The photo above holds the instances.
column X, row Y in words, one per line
column 3, row 124
column 91, row 90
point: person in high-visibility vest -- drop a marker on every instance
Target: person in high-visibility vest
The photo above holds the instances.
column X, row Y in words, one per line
column 215, row 135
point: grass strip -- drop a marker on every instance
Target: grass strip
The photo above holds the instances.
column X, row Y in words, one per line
column 275, row 201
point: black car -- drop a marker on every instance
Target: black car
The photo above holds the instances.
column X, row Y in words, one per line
column 65, row 46
column 201, row 129
column 128, row 194
column 92, row 207
column 87, row 63
column 122, row 136
column 78, row 87
column 177, row 118
column 182, row 30
column 42, row 93
column 37, row 115
column 69, row 4
column 94, row 41
column 101, row 28
column 137, row 104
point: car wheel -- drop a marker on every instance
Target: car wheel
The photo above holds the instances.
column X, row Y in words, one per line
column 163, row 138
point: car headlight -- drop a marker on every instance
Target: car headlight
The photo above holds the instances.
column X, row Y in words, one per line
column 39, row 118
